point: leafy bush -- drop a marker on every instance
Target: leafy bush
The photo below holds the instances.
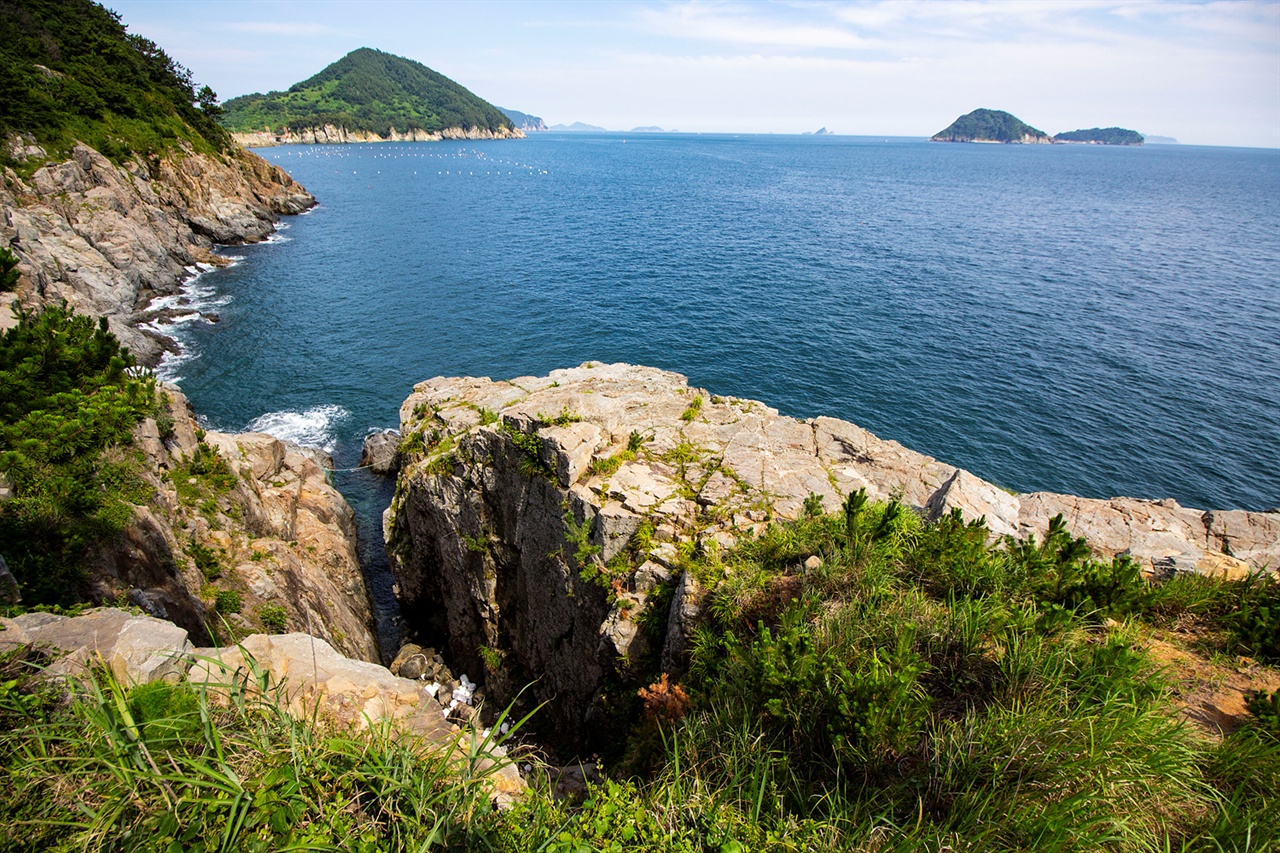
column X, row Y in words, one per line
column 1255, row 620
column 228, row 601
column 8, row 272
column 67, row 397
column 273, row 617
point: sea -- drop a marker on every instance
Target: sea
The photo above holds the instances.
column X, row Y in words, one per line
column 1095, row 320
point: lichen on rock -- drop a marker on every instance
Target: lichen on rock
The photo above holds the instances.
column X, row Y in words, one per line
column 540, row 516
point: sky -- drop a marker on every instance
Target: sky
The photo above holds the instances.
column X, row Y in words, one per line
column 1205, row 73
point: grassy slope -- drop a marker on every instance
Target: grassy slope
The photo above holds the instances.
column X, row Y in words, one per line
column 919, row 690
column 70, row 72
column 367, row 90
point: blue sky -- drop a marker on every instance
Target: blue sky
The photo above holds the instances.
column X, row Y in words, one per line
column 1205, row 73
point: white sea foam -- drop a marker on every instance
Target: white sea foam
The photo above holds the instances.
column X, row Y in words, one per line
column 193, row 299
column 313, row 428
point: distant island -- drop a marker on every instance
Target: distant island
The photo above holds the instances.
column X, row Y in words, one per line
column 1161, row 140
column 652, row 128
column 822, row 131
column 990, row 126
column 1101, row 136
column 579, row 127
column 999, row 126
column 367, row 96
column 523, row 121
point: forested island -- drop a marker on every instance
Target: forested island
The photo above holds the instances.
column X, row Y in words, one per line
column 990, row 126
column 999, row 126
column 1101, row 136
column 369, row 94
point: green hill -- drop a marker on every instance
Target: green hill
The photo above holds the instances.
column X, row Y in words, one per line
column 1102, row 136
column 989, row 126
column 369, row 91
column 69, row 71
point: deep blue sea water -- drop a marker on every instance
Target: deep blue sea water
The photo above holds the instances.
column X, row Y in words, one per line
column 1094, row 320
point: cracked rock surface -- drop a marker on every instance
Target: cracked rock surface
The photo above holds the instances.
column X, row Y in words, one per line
column 514, row 494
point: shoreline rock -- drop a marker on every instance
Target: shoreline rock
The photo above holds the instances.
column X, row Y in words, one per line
column 309, row 673
column 109, row 239
column 513, row 495
column 329, row 134
column 278, row 537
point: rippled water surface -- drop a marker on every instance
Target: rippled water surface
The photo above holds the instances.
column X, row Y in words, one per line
column 1100, row 321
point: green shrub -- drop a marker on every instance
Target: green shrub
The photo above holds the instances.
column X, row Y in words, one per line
column 228, row 601
column 8, row 270
column 67, row 398
column 1255, row 621
column 1265, row 708
column 273, row 617
column 206, row 559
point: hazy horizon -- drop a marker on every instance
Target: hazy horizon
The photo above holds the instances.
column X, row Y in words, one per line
column 1203, row 73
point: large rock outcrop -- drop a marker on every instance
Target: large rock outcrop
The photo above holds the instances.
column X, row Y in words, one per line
column 108, row 239
column 514, row 495
column 242, row 532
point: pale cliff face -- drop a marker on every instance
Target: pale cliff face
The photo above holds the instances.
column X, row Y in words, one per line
column 281, row 536
column 335, row 135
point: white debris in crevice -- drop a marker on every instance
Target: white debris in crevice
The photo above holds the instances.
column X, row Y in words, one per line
column 462, row 694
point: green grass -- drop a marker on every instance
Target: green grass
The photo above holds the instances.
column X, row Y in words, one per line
column 170, row 767
column 920, row 690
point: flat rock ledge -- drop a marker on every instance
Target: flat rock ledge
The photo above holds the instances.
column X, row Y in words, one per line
column 501, row 481
column 352, row 693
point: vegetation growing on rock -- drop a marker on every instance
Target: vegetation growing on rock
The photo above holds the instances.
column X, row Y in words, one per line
column 68, row 404
column 371, row 91
column 861, row 681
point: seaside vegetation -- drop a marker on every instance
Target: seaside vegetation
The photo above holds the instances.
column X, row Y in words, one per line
column 1102, row 136
column 70, row 72
column 919, row 690
column 70, row 397
column 370, row 91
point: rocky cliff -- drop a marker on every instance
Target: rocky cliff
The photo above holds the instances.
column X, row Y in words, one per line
column 534, row 518
column 241, row 533
column 333, row 135
column 108, row 239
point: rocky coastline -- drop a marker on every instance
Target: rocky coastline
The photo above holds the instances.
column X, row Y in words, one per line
column 268, row 542
column 335, row 135
column 536, row 518
column 111, row 238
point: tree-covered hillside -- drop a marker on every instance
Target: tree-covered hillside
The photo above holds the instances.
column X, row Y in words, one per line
column 1102, row 136
column 989, row 126
column 70, row 72
column 367, row 90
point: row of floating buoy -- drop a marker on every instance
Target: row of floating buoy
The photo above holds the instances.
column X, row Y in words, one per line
column 399, row 153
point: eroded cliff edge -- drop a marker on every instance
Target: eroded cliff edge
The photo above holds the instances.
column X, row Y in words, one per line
column 110, row 238
column 240, row 533
column 534, row 519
